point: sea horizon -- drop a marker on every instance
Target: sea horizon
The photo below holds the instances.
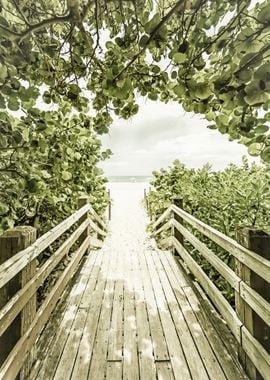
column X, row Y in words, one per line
column 130, row 178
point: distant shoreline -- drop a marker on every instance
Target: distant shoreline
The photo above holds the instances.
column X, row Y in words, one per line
column 129, row 178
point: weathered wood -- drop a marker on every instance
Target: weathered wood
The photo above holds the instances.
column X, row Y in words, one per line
column 212, row 291
column 258, row 355
column 16, row 358
column 83, row 201
column 178, row 202
column 247, row 302
column 95, row 242
column 130, row 349
column 176, row 354
column 164, row 227
column 251, row 259
column 162, row 217
column 187, row 326
column 210, row 256
column 61, row 352
column 12, row 242
column 15, row 264
column 98, row 230
column 144, row 339
column 98, row 218
column 15, row 304
column 109, row 206
column 258, row 303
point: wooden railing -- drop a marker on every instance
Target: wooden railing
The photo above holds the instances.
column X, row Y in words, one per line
column 249, row 321
column 20, row 321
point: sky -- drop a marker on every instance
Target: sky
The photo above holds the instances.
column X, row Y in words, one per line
column 161, row 133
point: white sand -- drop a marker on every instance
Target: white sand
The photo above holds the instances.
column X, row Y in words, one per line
column 127, row 229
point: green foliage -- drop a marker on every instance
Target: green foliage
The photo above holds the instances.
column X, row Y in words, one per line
column 44, row 168
column 210, row 56
column 222, row 199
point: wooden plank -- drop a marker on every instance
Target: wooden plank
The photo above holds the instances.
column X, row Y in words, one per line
column 256, row 302
column 164, row 371
column 98, row 218
column 156, row 329
column 217, row 334
column 164, row 227
column 96, row 243
column 212, row 291
column 63, row 329
column 177, row 357
column 68, row 357
column 177, row 268
column 190, row 333
column 115, row 344
column 96, row 228
column 130, row 350
column 71, row 347
column 114, row 371
column 162, row 217
column 210, row 256
column 145, row 343
column 92, row 302
column 215, row 328
column 16, row 358
column 256, row 352
column 19, row 300
column 50, row 333
column 14, row 265
column 252, row 260
column 90, row 269
column 11, row 242
column 99, row 355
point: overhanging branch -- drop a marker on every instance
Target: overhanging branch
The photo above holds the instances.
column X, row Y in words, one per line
column 176, row 8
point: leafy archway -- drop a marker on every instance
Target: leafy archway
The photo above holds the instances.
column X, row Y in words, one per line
column 213, row 57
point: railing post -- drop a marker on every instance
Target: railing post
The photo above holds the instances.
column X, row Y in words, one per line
column 178, row 236
column 145, row 199
column 11, row 242
column 82, row 201
column 109, row 206
column 259, row 242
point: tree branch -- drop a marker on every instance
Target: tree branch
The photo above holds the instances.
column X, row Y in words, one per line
column 176, row 8
column 12, row 35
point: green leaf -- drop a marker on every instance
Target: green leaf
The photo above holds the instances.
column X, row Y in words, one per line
column 254, row 149
column 179, row 90
column 261, row 129
column 179, row 58
column 77, row 156
column 66, row 175
column 3, row 141
column 3, row 73
column 265, row 155
column 143, row 40
column 13, row 103
column 3, row 208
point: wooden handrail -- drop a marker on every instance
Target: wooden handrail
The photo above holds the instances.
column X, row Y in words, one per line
column 258, row 264
column 251, row 259
column 9, row 312
column 14, row 265
column 18, row 302
column 15, row 360
column 163, row 216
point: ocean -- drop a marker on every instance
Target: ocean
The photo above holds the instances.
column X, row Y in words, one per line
column 145, row 179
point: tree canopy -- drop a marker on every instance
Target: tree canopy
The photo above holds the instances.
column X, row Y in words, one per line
column 213, row 57
column 88, row 59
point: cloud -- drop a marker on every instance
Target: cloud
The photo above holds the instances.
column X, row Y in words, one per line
column 161, row 133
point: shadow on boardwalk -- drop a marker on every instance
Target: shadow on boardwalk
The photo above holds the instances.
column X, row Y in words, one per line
column 132, row 313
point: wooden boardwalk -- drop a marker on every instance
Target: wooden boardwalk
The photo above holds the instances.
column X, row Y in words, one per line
column 132, row 313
